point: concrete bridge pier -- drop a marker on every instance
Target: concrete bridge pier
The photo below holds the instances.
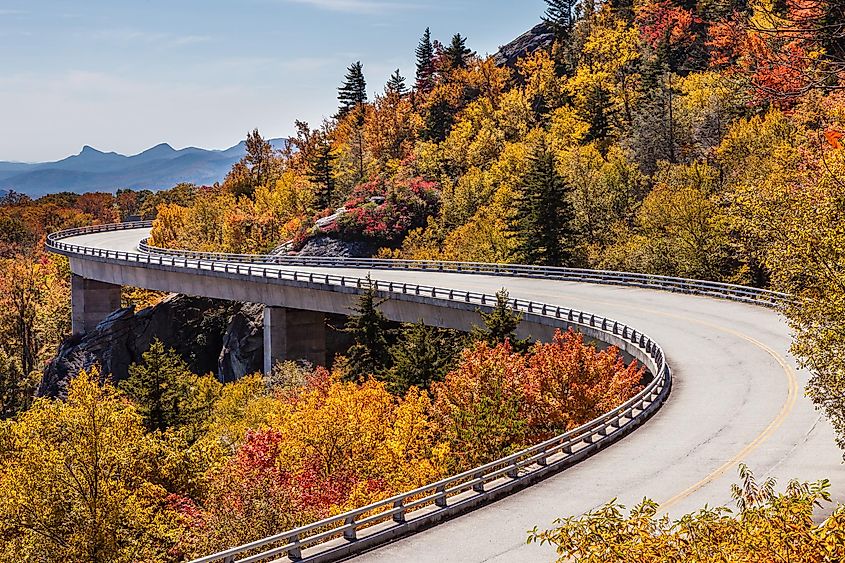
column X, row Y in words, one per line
column 293, row 334
column 91, row 302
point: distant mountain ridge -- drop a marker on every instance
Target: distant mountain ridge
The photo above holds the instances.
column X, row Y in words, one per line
column 158, row 167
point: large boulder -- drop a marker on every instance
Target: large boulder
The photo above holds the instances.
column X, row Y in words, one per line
column 243, row 344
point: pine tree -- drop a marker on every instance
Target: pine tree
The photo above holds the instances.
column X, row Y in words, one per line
column 438, row 120
column 422, row 355
column 369, row 329
column 560, row 16
column 500, row 324
column 353, row 92
column 457, row 53
column 159, row 386
column 321, row 172
column 425, row 63
column 543, row 218
column 396, row 85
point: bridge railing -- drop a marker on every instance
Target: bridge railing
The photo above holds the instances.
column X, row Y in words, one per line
column 360, row 529
column 692, row 286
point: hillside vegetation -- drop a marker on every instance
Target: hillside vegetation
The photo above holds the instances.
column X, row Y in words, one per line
column 697, row 139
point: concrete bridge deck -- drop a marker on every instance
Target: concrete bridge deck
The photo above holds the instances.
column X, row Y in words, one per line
column 737, row 397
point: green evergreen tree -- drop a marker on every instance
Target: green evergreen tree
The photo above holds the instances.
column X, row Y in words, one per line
column 425, row 63
column 159, row 385
column 369, row 328
column 542, row 222
column 500, row 324
column 560, row 15
column 457, row 53
column 422, row 355
column 321, row 172
column 396, row 85
column 438, row 120
column 16, row 390
column 353, row 92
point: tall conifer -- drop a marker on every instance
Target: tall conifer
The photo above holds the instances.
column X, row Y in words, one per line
column 425, row 63
column 542, row 223
column 353, row 92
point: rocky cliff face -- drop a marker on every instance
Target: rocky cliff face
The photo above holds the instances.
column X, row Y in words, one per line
column 539, row 37
column 328, row 246
column 212, row 336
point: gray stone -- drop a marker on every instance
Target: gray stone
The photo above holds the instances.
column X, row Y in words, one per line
column 196, row 327
column 539, row 37
column 243, row 344
column 328, row 246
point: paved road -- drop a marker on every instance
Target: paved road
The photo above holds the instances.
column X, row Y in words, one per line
column 737, row 396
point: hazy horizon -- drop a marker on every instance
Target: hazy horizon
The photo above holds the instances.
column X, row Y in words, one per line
column 125, row 78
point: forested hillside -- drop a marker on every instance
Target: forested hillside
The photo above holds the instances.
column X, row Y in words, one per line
column 693, row 139
column 697, row 139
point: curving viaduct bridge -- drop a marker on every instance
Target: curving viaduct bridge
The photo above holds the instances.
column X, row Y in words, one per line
column 736, row 395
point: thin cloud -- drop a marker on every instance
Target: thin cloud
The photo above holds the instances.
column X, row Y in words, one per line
column 358, row 6
column 166, row 40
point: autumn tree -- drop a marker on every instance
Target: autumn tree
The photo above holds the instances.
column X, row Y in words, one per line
column 767, row 526
column 479, row 405
column 542, row 222
column 34, row 308
column 259, row 158
column 78, row 482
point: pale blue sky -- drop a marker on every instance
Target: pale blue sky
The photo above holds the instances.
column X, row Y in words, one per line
column 125, row 75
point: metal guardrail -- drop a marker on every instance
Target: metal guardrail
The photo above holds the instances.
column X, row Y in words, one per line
column 363, row 528
column 697, row 287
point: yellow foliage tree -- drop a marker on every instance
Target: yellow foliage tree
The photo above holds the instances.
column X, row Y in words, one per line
column 77, row 482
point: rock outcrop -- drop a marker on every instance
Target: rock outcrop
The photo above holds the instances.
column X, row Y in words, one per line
column 539, row 37
column 327, row 246
column 211, row 336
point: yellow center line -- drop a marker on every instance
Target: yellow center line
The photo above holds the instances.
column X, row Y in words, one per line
column 792, row 397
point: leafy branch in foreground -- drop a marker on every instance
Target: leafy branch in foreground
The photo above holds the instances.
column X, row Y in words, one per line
column 767, row 526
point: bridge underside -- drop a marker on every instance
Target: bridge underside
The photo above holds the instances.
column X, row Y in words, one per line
column 294, row 314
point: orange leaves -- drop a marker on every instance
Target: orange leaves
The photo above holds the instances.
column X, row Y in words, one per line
column 572, row 383
column 498, row 400
column 834, row 138
column 664, row 25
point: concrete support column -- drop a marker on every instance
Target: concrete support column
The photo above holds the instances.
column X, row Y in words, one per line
column 293, row 334
column 91, row 302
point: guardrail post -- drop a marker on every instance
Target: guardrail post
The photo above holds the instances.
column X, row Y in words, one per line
column 349, row 533
column 399, row 517
column 295, row 550
column 513, row 472
column 478, row 487
column 229, row 559
column 441, row 499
